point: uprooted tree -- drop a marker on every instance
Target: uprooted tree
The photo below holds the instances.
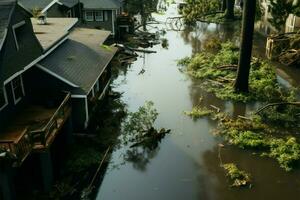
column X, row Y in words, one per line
column 142, row 7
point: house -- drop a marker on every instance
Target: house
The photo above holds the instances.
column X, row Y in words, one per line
column 51, row 75
column 53, row 8
column 101, row 14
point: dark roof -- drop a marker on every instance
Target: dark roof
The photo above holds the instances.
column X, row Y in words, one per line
column 34, row 4
column 42, row 4
column 69, row 3
column 6, row 8
column 100, row 4
column 78, row 63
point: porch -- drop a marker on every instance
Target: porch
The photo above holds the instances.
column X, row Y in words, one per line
column 35, row 126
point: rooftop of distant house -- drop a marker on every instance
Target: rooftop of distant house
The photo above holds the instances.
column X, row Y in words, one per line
column 53, row 30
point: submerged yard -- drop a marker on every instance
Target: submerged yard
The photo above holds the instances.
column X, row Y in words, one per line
column 187, row 163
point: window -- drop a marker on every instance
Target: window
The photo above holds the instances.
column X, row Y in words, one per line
column 17, row 89
column 99, row 16
column 89, row 16
column 19, row 31
column 106, row 15
column 3, row 98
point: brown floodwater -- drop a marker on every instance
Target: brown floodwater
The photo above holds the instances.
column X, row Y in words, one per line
column 186, row 164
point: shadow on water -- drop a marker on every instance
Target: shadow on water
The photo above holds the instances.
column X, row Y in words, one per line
column 186, row 164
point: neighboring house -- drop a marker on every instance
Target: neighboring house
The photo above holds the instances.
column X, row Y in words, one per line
column 101, row 14
column 51, row 75
column 53, row 8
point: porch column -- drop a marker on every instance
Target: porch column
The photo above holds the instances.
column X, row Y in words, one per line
column 46, row 170
column 69, row 130
column 7, row 183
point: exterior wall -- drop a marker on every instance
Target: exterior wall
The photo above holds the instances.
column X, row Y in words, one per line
column 57, row 11
column 13, row 60
column 78, row 114
column 61, row 11
column 108, row 24
column 44, row 82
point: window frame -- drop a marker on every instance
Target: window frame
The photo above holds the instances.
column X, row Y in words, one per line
column 5, row 98
column 16, row 101
column 86, row 16
column 101, row 19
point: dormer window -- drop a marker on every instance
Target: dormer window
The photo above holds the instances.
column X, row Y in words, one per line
column 19, row 32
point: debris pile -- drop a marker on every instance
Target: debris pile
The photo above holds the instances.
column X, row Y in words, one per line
column 285, row 48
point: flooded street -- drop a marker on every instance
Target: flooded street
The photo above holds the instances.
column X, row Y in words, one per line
column 186, row 164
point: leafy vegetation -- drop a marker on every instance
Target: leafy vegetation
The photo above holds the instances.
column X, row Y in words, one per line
column 196, row 9
column 218, row 72
column 237, row 177
column 198, row 112
column 256, row 135
column 141, row 121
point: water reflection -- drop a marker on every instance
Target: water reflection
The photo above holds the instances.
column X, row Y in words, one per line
column 140, row 157
column 186, row 164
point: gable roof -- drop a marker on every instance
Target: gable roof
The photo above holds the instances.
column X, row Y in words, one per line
column 100, row 4
column 44, row 5
column 6, row 9
column 79, row 63
column 34, row 4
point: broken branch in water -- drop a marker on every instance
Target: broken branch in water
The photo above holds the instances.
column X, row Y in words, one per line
column 151, row 136
column 216, row 108
column 277, row 104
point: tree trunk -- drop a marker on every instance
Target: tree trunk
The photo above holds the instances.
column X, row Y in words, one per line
column 242, row 79
column 143, row 15
column 224, row 5
column 229, row 13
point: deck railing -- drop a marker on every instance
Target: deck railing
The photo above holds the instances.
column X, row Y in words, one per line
column 19, row 148
column 41, row 136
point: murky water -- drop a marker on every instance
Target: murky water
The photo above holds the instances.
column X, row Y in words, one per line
column 186, row 165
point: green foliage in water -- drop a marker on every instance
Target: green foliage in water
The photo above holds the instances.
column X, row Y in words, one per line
column 198, row 112
column 218, row 72
column 237, row 177
column 256, row 135
column 195, row 9
column 139, row 122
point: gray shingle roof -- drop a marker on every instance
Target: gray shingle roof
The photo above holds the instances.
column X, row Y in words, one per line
column 6, row 8
column 78, row 63
column 100, row 4
column 34, row 4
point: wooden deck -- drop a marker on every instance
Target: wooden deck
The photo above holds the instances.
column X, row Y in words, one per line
column 34, row 128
